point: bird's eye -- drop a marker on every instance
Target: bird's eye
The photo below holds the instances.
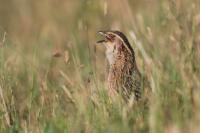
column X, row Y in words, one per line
column 110, row 37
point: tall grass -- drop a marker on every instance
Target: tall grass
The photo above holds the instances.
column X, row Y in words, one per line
column 53, row 76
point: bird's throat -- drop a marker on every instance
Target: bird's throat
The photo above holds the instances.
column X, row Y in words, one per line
column 110, row 56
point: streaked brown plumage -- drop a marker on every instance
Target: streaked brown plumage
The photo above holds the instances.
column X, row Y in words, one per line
column 123, row 76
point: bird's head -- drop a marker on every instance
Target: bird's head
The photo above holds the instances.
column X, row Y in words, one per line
column 114, row 41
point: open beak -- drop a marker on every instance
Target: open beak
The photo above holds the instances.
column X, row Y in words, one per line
column 102, row 33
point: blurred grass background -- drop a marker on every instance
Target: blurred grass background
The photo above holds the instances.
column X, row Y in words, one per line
column 52, row 75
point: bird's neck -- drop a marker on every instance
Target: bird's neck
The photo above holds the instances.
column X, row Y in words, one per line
column 121, row 62
column 110, row 56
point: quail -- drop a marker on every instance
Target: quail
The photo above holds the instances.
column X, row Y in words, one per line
column 123, row 75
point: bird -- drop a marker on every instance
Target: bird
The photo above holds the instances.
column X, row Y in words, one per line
column 123, row 75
